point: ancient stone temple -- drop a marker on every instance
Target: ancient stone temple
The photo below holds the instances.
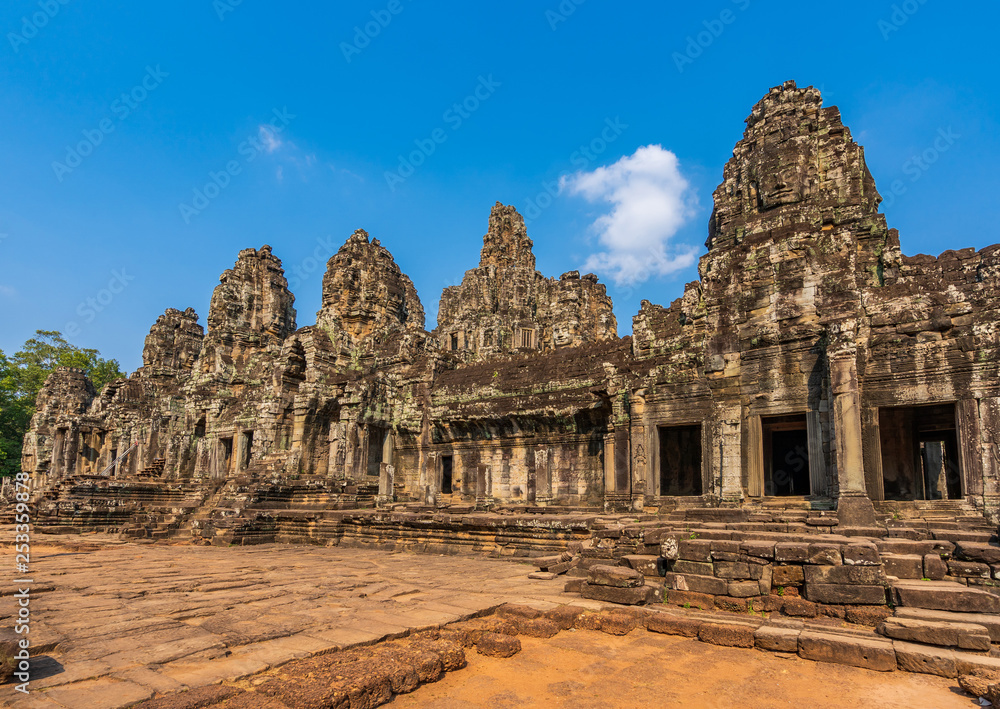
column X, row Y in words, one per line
column 812, row 367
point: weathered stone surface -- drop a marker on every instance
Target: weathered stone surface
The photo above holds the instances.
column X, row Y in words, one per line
column 845, row 593
column 775, row 639
column 618, row 576
column 496, row 645
column 631, row 596
column 945, row 597
column 673, row 625
column 966, row 636
column 855, row 651
column 504, row 305
column 727, row 634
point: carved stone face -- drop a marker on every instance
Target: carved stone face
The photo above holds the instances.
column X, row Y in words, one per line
column 563, row 334
column 782, row 183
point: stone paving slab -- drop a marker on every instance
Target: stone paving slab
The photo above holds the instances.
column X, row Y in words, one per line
column 133, row 619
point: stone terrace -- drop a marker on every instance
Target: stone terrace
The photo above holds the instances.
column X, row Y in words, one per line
column 131, row 619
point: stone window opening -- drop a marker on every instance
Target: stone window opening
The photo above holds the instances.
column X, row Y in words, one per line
column 527, row 338
column 786, row 455
column 447, row 474
column 199, row 428
column 920, row 458
column 454, row 343
column 680, row 461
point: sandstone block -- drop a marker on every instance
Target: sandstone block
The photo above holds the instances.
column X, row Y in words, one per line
column 616, row 576
column 845, row 650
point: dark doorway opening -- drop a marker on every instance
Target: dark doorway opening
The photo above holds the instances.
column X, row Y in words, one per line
column 786, row 455
column 680, row 461
column 920, row 458
column 447, row 473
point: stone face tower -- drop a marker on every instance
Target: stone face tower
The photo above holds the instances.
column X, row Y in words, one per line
column 251, row 310
column 366, row 298
column 505, row 305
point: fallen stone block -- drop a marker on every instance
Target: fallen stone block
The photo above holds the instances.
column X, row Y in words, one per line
column 632, row 596
column 978, row 682
column 615, row 576
column 697, row 568
column 543, row 576
column 695, row 550
column 574, row 585
column 844, row 650
column 645, row 564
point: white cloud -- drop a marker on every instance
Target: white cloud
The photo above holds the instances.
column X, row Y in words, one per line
column 650, row 200
column 7, row 291
column 269, row 137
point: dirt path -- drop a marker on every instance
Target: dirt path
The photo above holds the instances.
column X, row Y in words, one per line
column 585, row 669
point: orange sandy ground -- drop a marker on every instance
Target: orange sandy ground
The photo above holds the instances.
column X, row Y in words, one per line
column 586, row 669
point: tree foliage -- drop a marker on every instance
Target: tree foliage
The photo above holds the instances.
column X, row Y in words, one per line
column 22, row 377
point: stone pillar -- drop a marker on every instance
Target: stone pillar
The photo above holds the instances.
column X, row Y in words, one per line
column 872, row 449
column 386, row 484
column 817, row 461
column 731, row 454
column 854, row 508
column 755, row 456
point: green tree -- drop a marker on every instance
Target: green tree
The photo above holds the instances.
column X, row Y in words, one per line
column 22, row 377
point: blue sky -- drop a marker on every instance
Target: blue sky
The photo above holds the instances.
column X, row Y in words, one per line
column 207, row 86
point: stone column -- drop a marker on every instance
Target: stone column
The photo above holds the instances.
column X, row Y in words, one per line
column 854, row 508
column 755, row 456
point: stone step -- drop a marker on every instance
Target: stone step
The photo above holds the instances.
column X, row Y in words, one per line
column 964, row 636
column 944, row 596
column 987, row 620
